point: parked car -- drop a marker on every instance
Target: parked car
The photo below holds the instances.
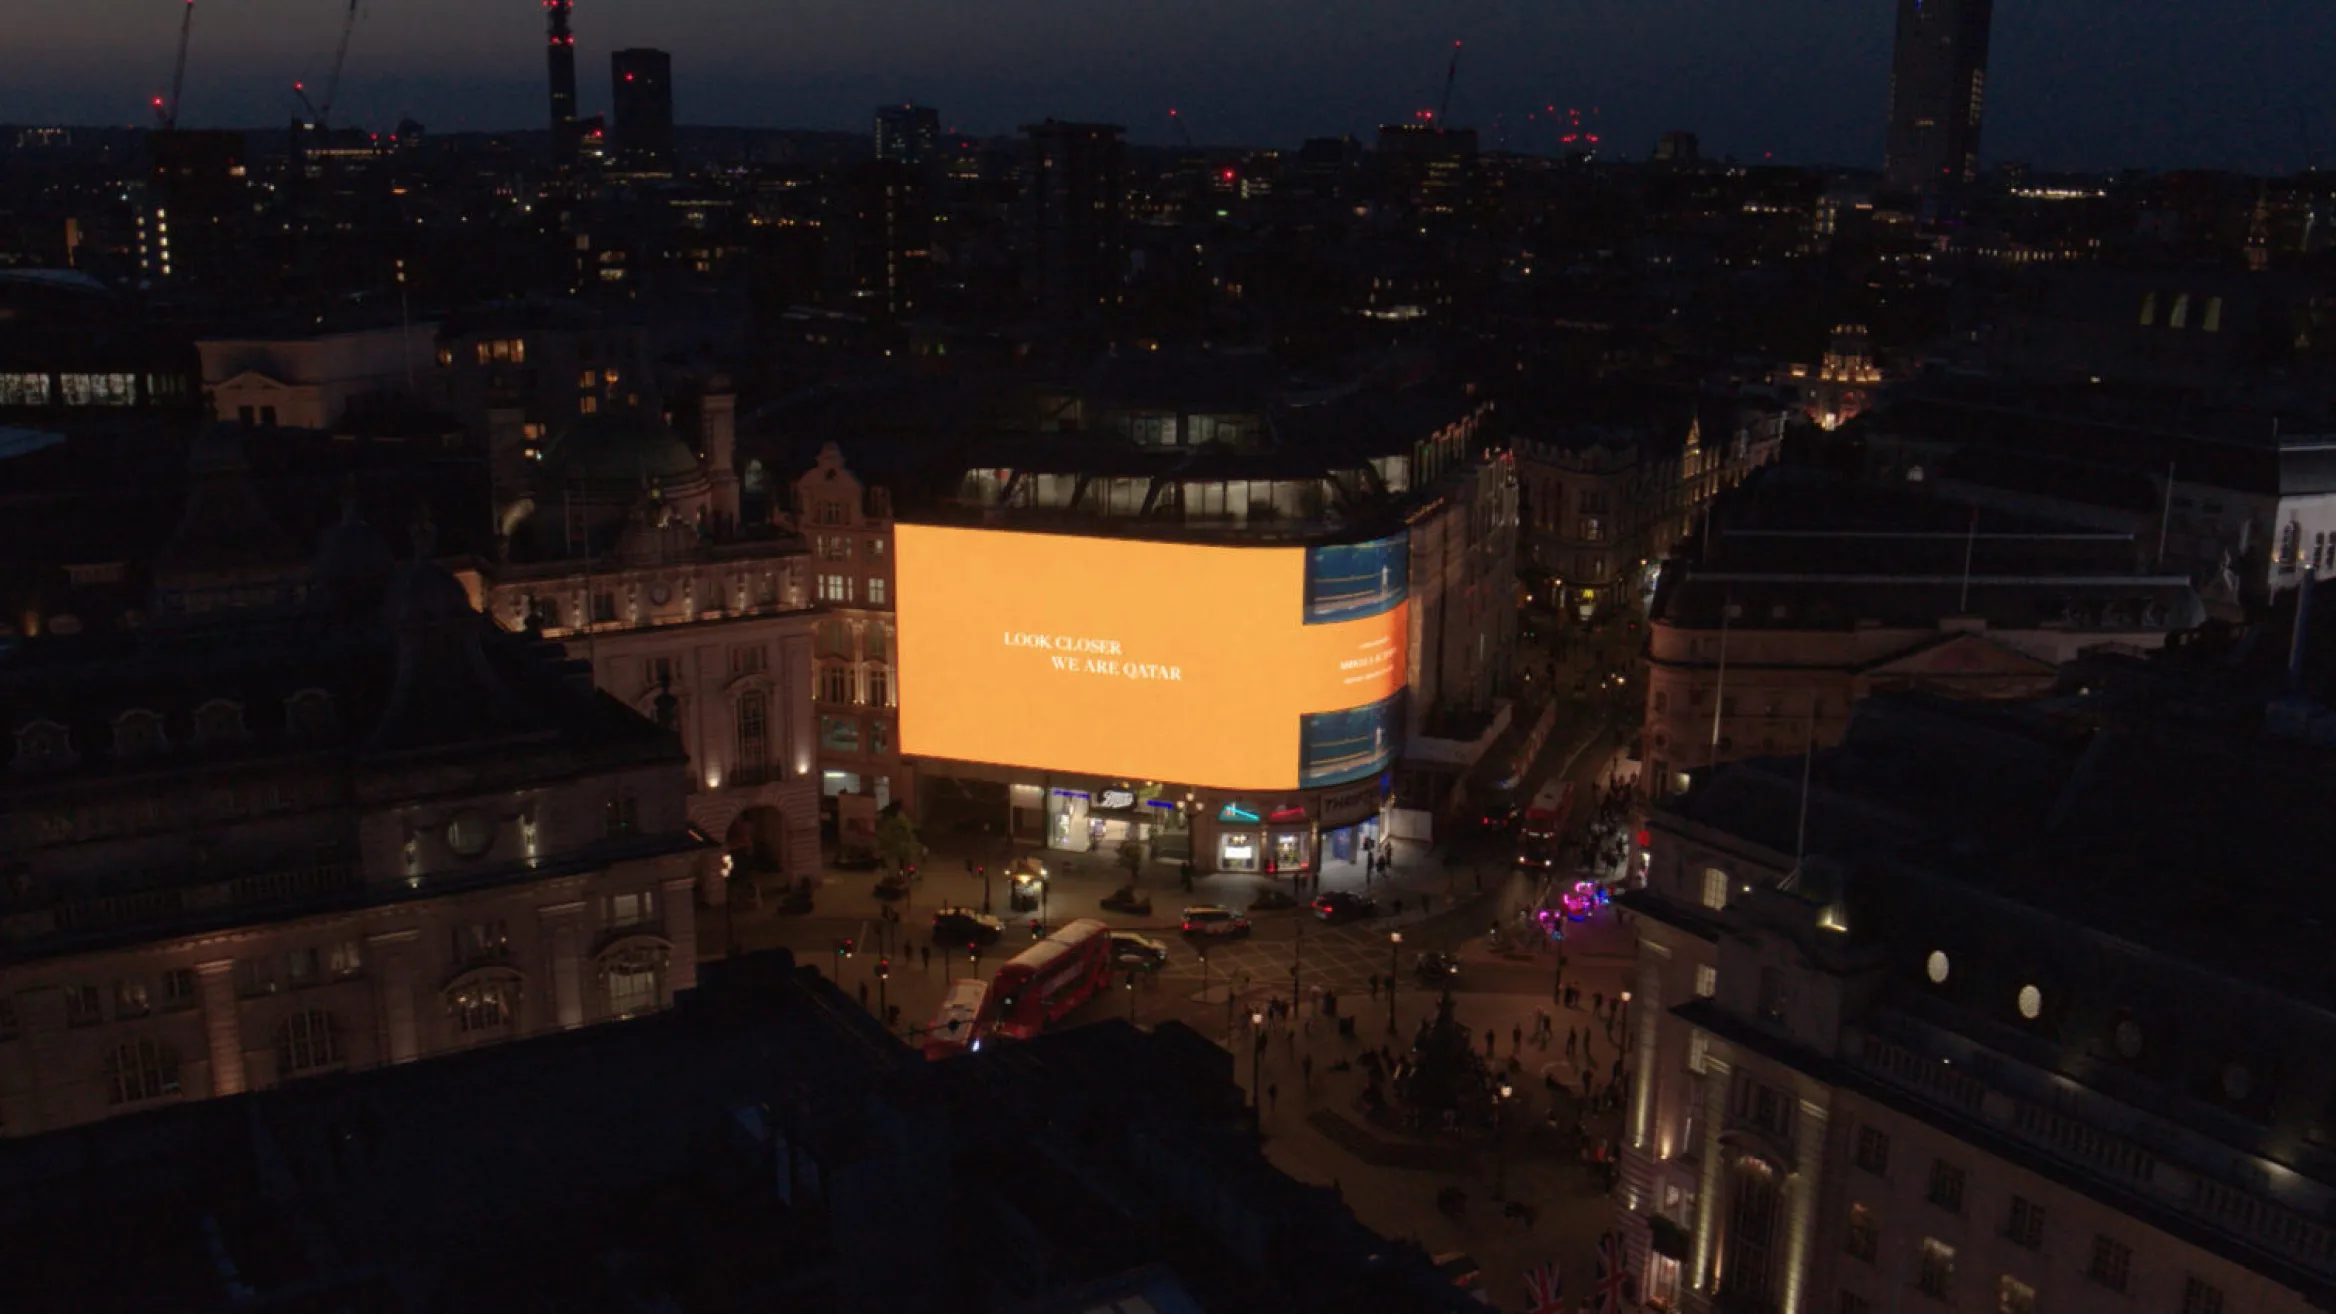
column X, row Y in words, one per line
column 859, row 860
column 1341, row 906
column 1210, row 919
column 895, row 884
column 967, row 927
column 1137, row 951
column 1436, row 967
column 1273, row 900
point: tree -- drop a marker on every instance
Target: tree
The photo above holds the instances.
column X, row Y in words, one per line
column 896, row 839
column 1131, row 856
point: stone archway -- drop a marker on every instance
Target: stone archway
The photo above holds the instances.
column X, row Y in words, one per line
column 757, row 839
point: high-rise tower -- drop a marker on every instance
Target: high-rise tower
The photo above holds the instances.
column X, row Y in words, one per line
column 1938, row 80
column 562, row 57
column 641, row 90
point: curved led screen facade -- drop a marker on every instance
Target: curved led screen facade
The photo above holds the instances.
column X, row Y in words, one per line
column 1233, row 667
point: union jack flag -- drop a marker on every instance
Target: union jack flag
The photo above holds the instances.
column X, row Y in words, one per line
column 1545, row 1288
column 1612, row 1263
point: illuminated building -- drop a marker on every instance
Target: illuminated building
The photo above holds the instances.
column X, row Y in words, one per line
column 855, row 689
column 1938, row 85
column 1231, row 657
column 641, row 93
column 308, row 380
column 2002, row 1009
column 1810, row 594
column 1427, row 166
column 193, row 213
column 1614, row 480
column 910, row 135
column 560, row 57
column 311, row 819
column 1847, row 378
column 889, row 236
column 628, row 545
column 1074, row 214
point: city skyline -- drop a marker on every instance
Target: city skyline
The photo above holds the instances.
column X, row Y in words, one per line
column 1805, row 82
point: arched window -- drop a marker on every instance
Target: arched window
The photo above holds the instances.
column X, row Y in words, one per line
column 140, row 1070
column 309, row 715
column 879, row 686
column 308, row 1041
column 754, row 731
column 484, row 1005
column 42, row 745
column 139, row 734
column 634, row 979
column 219, row 723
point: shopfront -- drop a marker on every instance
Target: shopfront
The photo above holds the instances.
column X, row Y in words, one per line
column 1253, row 837
column 1352, row 818
column 1099, row 818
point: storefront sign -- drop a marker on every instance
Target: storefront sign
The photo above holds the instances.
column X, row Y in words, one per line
column 1350, row 805
column 1240, row 852
column 1117, row 798
column 1288, row 817
column 1235, row 812
column 1070, row 793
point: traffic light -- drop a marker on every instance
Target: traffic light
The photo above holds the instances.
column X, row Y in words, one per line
column 884, row 968
column 844, row 947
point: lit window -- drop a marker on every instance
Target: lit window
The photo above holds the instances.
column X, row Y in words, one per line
column 627, row 910
column 875, row 591
column 483, row 1006
column 1935, row 1275
column 1715, row 888
column 2213, row 322
column 2013, row 1296
column 2179, row 317
column 1873, row 1150
column 1707, row 981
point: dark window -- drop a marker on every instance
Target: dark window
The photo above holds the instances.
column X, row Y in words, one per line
column 1873, row 1150
column 2026, row 1224
column 1946, row 1186
column 2199, row 1297
column 2112, row 1264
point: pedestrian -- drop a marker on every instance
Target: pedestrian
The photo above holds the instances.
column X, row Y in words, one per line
column 1586, row 1059
column 1374, row 985
column 1306, row 1071
column 1290, row 1042
column 1517, row 1039
column 1569, row 1043
column 863, row 994
column 1586, row 1079
column 1399, row 907
column 1597, row 1003
column 925, row 953
column 1273, row 1093
column 1492, row 1039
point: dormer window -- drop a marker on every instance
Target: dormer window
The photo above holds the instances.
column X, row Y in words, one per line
column 139, row 734
column 310, row 716
column 219, row 723
column 42, row 746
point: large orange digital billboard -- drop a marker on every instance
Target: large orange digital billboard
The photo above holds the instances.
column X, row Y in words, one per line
column 1231, row 667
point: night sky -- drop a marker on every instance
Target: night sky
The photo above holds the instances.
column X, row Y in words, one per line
column 2073, row 83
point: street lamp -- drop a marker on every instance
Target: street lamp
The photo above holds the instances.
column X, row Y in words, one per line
column 1256, row 1058
column 1394, row 947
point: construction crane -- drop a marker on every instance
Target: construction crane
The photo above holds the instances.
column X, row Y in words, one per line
column 321, row 113
column 1444, row 107
column 1182, row 132
column 167, row 114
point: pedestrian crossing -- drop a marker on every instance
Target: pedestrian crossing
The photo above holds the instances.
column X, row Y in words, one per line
column 1343, row 959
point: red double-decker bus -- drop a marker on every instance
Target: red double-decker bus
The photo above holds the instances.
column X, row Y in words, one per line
column 1051, row 978
column 958, row 1024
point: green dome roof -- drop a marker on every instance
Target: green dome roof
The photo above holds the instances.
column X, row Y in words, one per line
column 619, row 448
